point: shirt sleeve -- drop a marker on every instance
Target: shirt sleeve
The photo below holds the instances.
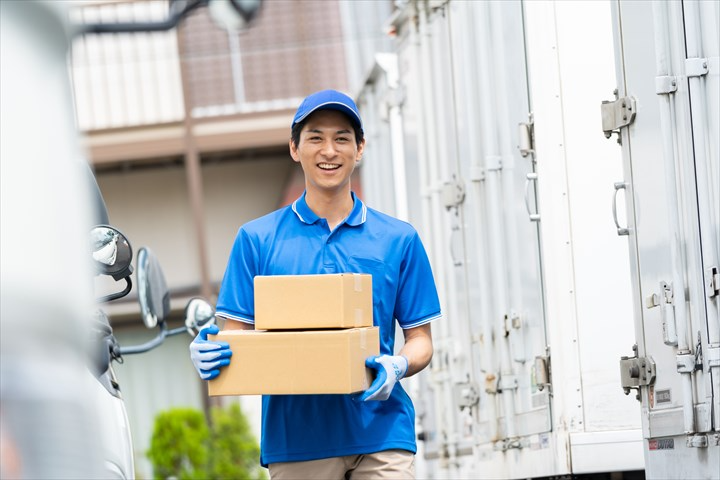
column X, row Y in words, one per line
column 417, row 301
column 236, row 299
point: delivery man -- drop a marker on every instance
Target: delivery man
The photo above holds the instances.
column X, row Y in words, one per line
column 330, row 230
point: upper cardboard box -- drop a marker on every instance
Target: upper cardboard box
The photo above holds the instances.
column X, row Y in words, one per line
column 305, row 302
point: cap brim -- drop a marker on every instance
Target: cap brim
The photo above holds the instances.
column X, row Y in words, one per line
column 338, row 106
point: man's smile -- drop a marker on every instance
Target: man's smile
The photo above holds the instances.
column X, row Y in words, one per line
column 329, row 166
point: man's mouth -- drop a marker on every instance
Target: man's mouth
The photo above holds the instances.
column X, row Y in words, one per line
column 328, row 166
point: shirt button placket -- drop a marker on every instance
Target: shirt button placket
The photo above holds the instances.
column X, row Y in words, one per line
column 328, row 259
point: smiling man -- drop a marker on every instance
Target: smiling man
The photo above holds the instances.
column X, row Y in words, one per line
column 330, row 230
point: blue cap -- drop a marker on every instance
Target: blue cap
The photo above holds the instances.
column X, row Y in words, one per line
column 328, row 100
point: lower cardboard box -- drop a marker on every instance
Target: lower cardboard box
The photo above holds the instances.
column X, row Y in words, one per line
column 296, row 362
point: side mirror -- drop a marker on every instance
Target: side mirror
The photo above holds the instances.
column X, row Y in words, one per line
column 111, row 252
column 153, row 293
column 198, row 315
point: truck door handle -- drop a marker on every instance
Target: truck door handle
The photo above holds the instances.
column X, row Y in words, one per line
column 620, row 230
column 531, row 177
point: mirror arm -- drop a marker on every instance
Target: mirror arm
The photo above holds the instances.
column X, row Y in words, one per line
column 129, row 27
column 144, row 347
column 115, row 296
column 158, row 340
column 176, row 331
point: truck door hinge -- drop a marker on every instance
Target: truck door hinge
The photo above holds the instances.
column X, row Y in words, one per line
column 617, row 113
column 712, row 281
column 636, row 372
column 541, row 370
column 467, row 395
column 453, row 194
column 526, row 137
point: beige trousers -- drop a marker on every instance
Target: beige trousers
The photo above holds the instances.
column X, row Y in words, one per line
column 389, row 464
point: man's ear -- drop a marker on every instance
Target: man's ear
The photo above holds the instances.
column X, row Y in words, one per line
column 294, row 152
column 361, row 149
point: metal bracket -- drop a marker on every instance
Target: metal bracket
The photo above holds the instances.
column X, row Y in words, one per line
column 491, row 384
column 665, row 84
column 712, row 281
column 617, row 114
column 666, row 301
column 667, row 308
column 696, row 67
column 712, row 355
column 685, row 362
column 508, row 443
column 697, row 441
column 652, row 301
column 636, row 372
column 507, row 382
column 453, row 194
column 466, row 395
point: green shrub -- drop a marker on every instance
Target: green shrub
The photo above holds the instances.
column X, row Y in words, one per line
column 183, row 446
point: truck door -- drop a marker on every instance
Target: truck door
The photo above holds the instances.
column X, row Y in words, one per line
column 668, row 98
column 468, row 73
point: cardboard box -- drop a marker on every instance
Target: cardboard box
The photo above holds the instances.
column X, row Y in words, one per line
column 324, row 361
column 301, row 302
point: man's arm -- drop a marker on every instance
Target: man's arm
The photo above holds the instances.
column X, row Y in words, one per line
column 230, row 324
column 418, row 348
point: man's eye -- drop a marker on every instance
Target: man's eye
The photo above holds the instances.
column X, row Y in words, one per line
column 343, row 139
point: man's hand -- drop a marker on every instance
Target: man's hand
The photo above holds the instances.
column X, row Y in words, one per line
column 390, row 369
column 208, row 357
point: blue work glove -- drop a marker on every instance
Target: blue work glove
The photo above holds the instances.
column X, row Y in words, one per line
column 390, row 369
column 209, row 356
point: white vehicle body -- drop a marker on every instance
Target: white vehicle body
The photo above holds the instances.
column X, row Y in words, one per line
column 50, row 423
column 116, row 438
column 671, row 153
column 61, row 411
column 485, row 131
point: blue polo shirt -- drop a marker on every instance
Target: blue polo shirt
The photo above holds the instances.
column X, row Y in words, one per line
column 295, row 241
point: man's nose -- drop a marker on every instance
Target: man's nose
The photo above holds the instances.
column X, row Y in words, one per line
column 328, row 149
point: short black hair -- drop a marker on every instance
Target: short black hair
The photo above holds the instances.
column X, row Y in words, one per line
column 297, row 128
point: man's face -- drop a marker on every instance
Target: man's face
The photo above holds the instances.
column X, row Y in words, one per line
column 327, row 151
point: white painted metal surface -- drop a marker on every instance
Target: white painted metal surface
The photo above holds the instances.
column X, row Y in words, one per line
column 671, row 167
column 514, row 288
column 49, row 422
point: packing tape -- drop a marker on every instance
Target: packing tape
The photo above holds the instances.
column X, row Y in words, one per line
column 363, row 339
column 358, row 282
column 358, row 317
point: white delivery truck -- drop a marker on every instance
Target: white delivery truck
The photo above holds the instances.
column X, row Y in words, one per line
column 667, row 116
column 485, row 131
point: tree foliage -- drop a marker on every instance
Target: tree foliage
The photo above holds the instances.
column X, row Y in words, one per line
column 185, row 447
